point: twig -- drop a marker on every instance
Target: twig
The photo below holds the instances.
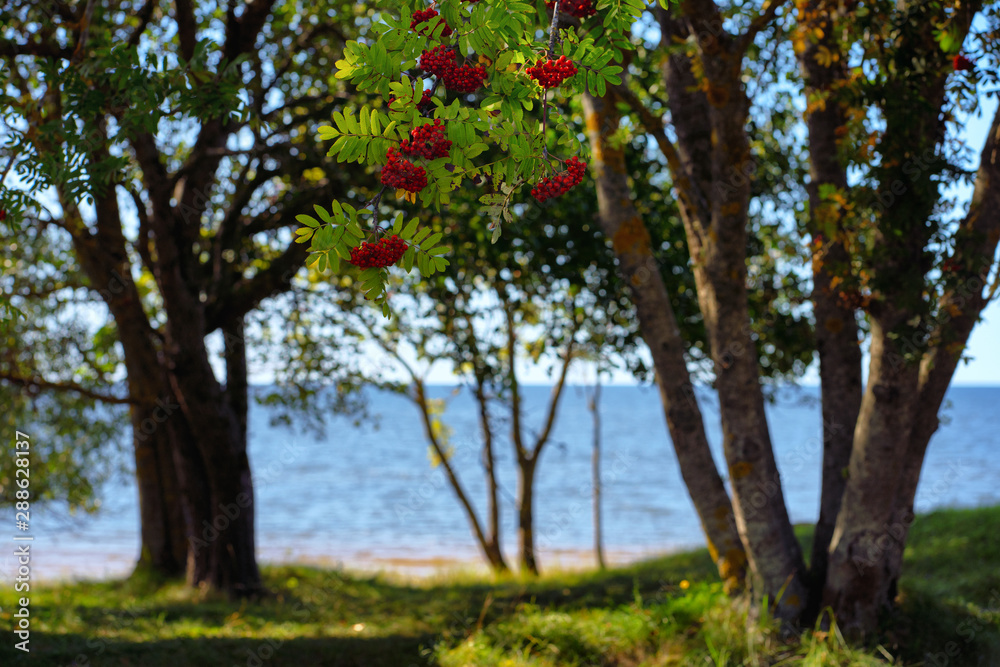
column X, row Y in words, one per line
column 39, row 383
column 553, row 29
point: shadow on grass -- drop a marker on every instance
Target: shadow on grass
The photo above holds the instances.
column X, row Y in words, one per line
column 78, row 651
column 949, row 612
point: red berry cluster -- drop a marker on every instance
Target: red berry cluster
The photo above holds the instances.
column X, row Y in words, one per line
column 386, row 252
column 464, row 78
column 440, row 61
column 427, row 141
column 424, row 15
column 551, row 73
column 3, row 215
column 559, row 184
column 403, row 174
column 581, row 9
column 960, row 63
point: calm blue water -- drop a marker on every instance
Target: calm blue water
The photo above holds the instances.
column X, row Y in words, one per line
column 362, row 496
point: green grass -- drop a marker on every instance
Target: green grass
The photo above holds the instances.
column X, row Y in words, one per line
column 667, row 611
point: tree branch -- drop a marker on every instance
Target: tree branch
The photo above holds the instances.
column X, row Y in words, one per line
column 557, row 390
column 186, row 28
column 515, row 393
column 37, row 384
column 248, row 293
column 687, row 189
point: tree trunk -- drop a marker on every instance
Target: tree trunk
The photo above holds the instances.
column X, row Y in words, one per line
column 525, row 517
column 658, row 325
column 962, row 302
column 836, row 325
column 227, row 559
column 492, row 542
column 713, row 170
column 595, row 467
column 104, row 259
column 860, row 574
column 161, row 519
column 489, row 544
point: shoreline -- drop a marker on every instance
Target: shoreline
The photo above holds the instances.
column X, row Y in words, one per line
column 60, row 565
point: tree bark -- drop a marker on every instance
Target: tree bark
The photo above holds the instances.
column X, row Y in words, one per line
column 960, row 308
column 866, row 549
column 658, row 325
column 595, row 467
column 714, row 169
column 104, row 259
column 492, row 541
column 836, row 325
column 525, row 511
column 214, row 427
column 860, row 574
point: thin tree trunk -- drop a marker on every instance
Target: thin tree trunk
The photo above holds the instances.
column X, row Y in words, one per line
column 836, row 324
column 525, row 509
column 658, row 325
column 527, row 458
column 490, row 545
column 595, row 467
column 713, row 169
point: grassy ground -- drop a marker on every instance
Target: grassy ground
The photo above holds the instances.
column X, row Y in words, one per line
column 667, row 611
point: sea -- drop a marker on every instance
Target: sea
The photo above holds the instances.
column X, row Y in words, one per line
column 370, row 497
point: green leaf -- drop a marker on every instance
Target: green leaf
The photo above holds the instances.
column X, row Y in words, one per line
column 321, row 212
column 407, row 232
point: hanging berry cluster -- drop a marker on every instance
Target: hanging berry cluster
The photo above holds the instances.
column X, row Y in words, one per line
column 461, row 46
column 427, row 141
column 551, row 73
column 424, row 15
column 553, row 186
column 386, row 252
column 400, row 173
column 581, row 9
column 440, row 61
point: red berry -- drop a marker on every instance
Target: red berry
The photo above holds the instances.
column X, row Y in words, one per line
column 464, row 78
column 438, row 61
column 551, row 73
column 581, row 9
column 403, row 174
column 960, row 63
column 427, row 141
column 386, row 252
column 424, row 15
column 560, row 183
column 3, row 215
